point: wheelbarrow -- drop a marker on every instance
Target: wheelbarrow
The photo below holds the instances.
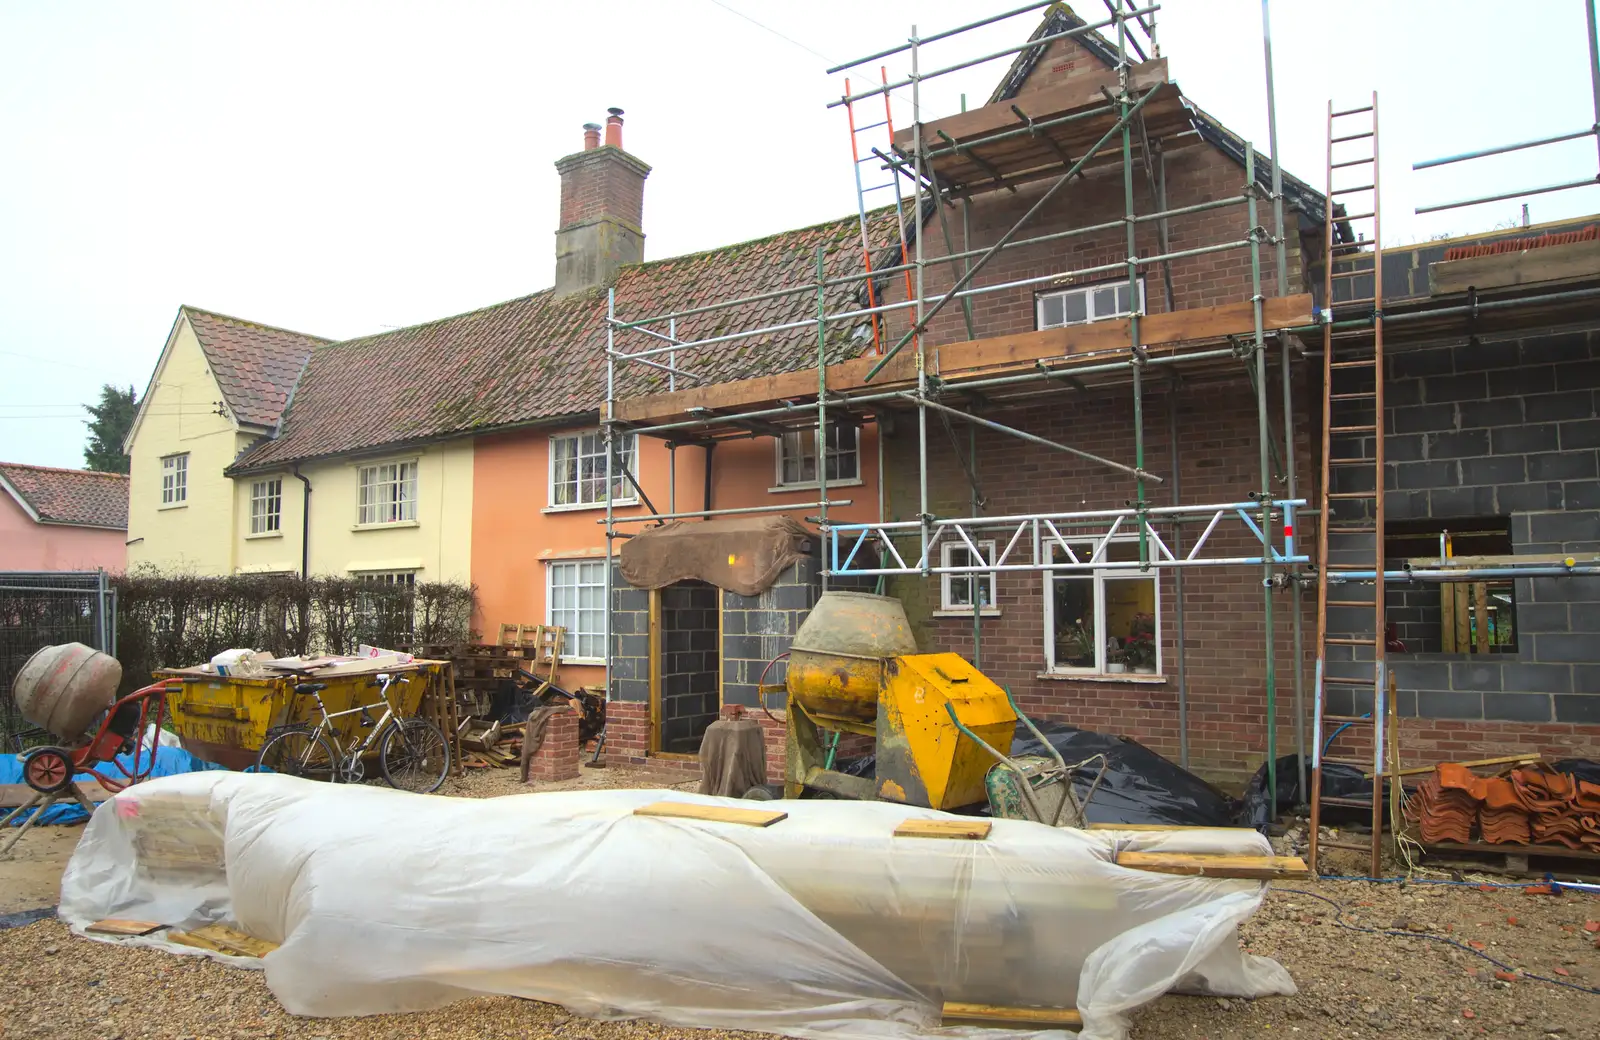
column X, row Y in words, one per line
column 59, row 689
column 1033, row 787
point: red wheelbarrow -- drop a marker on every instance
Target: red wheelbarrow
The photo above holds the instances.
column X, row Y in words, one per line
column 70, row 690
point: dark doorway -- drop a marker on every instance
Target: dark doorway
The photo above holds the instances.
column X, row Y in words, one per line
column 687, row 665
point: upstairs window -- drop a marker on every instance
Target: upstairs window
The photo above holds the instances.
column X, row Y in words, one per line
column 578, row 470
column 266, row 506
column 1085, row 304
column 175, row 479
column 388, row 493
column 797, row 456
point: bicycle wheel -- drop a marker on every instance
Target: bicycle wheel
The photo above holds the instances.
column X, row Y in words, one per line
column 415, row 756
column 298, row 751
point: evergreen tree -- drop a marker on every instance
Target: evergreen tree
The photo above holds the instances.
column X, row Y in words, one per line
column 113, row 418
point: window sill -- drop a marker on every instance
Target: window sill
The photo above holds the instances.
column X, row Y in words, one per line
column 1105, row 677
column 582, row 506
column 595, row 661
column 965, row 612
column 263, row 534
column 386, row 526
column 174, row 505
column 813, row 485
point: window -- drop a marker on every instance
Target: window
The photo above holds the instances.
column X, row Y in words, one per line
column 1103, row 621
column 384, row 617
column 1088, row 303
column 956, row 590
column 578, row 470
column 797, row 456
column 388, row 493
column 266, row 506
column 1452, row 617
column 175, row 479
column 576, row 600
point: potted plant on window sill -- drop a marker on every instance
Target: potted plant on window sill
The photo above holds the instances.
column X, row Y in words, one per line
column 1140, row 648
column 1078, row 642
column 1115, row 664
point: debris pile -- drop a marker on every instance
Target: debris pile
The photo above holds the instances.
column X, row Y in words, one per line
column 1530, row 804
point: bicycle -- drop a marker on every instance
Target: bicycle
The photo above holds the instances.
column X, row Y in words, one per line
column 412, row 753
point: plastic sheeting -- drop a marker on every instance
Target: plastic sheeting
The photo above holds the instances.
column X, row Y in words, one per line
column 822, row 925
column 170, row 761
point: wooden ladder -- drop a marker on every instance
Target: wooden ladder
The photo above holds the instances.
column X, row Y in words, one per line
column 1352, row 689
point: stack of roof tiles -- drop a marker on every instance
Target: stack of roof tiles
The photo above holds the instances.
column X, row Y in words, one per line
column 1531, row 804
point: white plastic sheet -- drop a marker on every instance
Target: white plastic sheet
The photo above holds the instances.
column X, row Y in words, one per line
column 823, row 925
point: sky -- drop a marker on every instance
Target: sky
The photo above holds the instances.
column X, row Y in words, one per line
column 342, row 167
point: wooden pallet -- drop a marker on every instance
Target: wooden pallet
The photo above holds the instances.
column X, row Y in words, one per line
column 1524, row 860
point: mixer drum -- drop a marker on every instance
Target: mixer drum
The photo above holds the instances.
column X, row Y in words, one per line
column 836, row 661
column 65, row 688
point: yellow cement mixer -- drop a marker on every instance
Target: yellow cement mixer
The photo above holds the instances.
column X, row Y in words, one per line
column 854, row 668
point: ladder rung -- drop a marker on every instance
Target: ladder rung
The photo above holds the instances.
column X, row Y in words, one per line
column 1324, row 843
column 1351, row 603
column 1351, row 641
column 1367, row 271
column 1352, row 112
column 1355, row 216
column 1352, row 719
column 1370, row 362
column 1352, row 191
column 1334, row 528
column 1352, row 494
column 1346, row 566
column 1352, row 462
column 1351, row 162
column 1362, row 396
column 1351, row 137
column 1352, row 429
column 872, row 126
column 1339, row 680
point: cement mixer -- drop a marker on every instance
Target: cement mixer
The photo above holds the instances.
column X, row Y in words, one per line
column 71, row 692
column 939, row 725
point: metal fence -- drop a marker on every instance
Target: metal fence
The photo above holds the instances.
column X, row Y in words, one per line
column 43, row 608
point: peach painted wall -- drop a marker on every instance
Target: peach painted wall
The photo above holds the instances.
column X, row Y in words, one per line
column 515, row 533
column 28, row 546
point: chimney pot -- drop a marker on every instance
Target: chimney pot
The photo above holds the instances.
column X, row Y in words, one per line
column 614, row 127
column 591, row 136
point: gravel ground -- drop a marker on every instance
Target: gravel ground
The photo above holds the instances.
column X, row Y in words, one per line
column 1351, row 984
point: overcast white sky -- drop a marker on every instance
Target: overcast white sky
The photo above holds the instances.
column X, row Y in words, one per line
column 341, row 167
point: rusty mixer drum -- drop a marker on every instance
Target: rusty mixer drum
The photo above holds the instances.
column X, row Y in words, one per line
column 66, row 688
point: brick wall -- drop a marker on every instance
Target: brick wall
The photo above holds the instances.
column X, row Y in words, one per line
column 600, row 183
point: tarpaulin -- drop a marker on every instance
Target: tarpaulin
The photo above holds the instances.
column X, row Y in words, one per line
column 823, row 925
column 170, row 761
column 744, row 555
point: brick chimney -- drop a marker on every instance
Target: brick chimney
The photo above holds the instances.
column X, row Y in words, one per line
column 602, row 206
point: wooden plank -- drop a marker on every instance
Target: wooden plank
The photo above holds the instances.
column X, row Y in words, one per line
column 1503, row 760
column 1513, row 560
column 220, row 938
column 1574, row 260
column 1191, row 324
column 1463, row 618
column 1447, row 619
column 1078, row 92
column 955, row 1011
column 123, row 926
column 1196, row 864
column 712, row 813
column 13, row 796
column 969, row 830
column 1480, row 617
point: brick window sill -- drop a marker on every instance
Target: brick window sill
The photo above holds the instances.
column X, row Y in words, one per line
column 1095, row 677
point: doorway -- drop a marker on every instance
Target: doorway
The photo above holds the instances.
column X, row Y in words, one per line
column 685, row 665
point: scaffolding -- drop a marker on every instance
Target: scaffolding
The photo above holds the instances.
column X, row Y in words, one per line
column 936, row 168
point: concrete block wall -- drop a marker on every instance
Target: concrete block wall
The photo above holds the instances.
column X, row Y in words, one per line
column 689, row 664
column 1509, row 430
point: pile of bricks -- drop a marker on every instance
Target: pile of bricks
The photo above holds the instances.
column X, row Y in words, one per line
column 1532, row 804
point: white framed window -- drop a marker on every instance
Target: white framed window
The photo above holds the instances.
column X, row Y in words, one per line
column 175, row 479
column 1102, row 621
column 386, row 617
column 388, row 493
column 956, row 591
column 797, row 456
column 266, row 506
column 575, row 599
column 578, row 470
column 1086, row 303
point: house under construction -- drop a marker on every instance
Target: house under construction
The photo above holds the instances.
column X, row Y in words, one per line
column 1166, row 442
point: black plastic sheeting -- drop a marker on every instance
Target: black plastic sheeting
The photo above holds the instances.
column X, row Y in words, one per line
column 1338, row 781
column 22, row 917
column 1139, row 786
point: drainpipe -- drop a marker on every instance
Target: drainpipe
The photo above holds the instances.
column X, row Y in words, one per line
column 305, row 522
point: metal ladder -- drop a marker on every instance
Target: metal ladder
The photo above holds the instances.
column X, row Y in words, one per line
column 1352, row 690
column 884, row 157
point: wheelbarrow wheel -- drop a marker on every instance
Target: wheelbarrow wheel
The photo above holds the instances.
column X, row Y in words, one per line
column 414, row 756
column 48, row 769
column 297, row 751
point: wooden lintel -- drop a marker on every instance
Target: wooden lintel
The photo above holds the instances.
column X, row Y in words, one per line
column 1571, row 261
column 996, row 355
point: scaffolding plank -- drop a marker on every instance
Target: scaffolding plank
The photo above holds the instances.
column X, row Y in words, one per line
column 964, row 830
column 713, row 813
column 1199, row 864
column 1195, row 324
column 1574, row 260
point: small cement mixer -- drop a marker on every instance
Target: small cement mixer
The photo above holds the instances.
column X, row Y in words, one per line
column 854, row 668
column 71, row 691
